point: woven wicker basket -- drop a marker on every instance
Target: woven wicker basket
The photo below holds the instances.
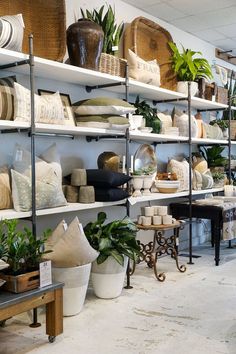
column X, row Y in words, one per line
column 109, row 64
column 150, row 41
column 46, row 20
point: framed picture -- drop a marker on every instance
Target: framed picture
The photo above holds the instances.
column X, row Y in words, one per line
column 68, row 111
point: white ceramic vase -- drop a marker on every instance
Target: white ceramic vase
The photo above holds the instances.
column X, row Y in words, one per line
column 182, row 87
column 147, row 184
column 108, row 278
column 75, row 288
column 137, row 185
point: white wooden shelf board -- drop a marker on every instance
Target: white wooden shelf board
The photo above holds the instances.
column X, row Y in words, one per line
column 200, row 103
column 163, row 196
column 9, row 124
column 136, row 135
column 12, row 214
column 72, row 130
column 209, row 141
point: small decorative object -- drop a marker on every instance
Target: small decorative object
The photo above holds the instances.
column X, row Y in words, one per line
column 79, row 177
column 72, row 194
column 167, row 186
column 219, row 179
column 86, row 194
column 214, row 158
column 147, row 184
column 145, row 161
column 137, row 182
column 115, row 241
column 23, row 252
column 109, row 160
column 189, row 69
column 84, row 43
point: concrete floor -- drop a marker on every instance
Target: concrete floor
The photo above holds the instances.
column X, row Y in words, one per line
column 192, row 312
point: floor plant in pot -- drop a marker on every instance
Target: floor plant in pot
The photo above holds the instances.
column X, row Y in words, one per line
column 23, row 252
column 189, row 68
column 116, row 242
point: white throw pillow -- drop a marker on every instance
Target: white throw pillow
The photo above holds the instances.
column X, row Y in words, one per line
column 181, row 168
column 11, row 32
column 48, row 108
column 181, row 121
column 147, row 72
column 166, row 121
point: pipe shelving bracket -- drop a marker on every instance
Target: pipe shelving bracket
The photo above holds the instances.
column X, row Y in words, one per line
column 90, row 88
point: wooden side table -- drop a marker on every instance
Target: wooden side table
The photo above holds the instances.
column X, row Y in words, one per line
column 161, row 245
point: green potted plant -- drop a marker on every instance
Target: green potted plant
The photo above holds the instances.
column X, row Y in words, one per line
column 219, row 178
column 116, row 242
column 149, row 114
column 23, row 252
column 223, row 124
column 213, row 156
column 112, row 32
column 189, row 68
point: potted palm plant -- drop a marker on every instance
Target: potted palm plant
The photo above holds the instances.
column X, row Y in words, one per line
column 213, row 155
column 23, row 252
column 116, row 242
column 189, row 68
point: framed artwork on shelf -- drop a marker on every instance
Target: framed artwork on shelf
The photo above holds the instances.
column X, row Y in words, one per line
column 68, row 111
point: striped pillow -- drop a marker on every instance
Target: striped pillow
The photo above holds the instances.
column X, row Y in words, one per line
column 7, row 97
column 11, row 32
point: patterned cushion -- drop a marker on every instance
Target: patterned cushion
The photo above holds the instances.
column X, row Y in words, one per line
column 48, row 108
column 11, row 32
column 48, row 193
column 7, row 97
column 166, row 121
column 211, row 131
column 147, row 72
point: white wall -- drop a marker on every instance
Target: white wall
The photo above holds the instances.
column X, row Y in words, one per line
column 85, row 154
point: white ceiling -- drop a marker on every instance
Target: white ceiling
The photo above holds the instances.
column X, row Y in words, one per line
column 211, row 20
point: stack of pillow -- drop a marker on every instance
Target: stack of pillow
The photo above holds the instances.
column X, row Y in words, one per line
column 103, row 112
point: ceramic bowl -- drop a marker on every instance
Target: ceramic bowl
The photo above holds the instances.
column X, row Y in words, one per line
column 167, row 186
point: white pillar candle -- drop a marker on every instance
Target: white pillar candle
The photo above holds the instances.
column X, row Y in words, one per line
column 123, row 164
column 131, row 163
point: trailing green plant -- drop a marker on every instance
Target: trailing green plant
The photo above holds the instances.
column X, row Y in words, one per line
column 187, row 67
column 116, row 239
column 213, row 156
column 22, row 251
column 112, row 32
column 149, row 113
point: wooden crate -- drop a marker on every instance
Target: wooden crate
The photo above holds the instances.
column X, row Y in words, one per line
column 20, row 283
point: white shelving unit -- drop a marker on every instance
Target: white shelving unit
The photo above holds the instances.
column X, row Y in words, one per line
column 48, row 69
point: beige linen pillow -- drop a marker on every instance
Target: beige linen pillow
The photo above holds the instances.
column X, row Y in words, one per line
column 48, row 108
column 147, row 72
column 72, row 248
column 181, row 121
column 181, row 168
column 211, row 131
column 166, row 121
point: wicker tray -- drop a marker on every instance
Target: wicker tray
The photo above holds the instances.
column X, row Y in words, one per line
column 150, row 41
column 109, row 64
column 46, row 20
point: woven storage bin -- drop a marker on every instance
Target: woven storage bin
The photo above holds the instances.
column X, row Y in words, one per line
column 233, row 129
column 222, row 95
column 46, row 20
column 150, row 41
column 109, row 64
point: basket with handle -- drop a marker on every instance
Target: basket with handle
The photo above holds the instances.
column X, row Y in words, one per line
column 45, row 20
column 109, row 64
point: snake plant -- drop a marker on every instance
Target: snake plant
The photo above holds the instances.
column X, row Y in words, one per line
column 112, row 32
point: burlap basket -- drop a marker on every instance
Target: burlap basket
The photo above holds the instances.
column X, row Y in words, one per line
column 46, row 20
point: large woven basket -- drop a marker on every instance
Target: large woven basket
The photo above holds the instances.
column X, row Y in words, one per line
column 150, row 41
column 109, row 64
column 46, row 20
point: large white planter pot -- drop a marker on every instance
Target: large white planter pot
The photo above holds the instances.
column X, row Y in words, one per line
column 108, row 278
column 76, row 284
column 182, row 87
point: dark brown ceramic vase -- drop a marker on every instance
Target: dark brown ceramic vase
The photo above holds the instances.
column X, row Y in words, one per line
column 84, row 43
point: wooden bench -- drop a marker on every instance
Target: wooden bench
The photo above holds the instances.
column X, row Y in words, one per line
column 51, row 296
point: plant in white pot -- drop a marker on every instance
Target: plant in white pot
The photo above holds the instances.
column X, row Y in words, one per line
column 115, row 242
column 189, row 69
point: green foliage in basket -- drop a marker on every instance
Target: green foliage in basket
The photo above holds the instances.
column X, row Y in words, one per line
column 112, row 32
column 213, row 156
column 19, row 248
column 116, row 239
column 187, row 67
column 149, row 113
column 223, row 124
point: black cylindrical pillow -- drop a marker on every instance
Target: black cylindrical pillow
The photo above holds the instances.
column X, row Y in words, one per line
column 110, row 195
column 106, row 178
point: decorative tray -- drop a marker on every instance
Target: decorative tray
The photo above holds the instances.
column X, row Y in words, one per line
column 150, row 41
